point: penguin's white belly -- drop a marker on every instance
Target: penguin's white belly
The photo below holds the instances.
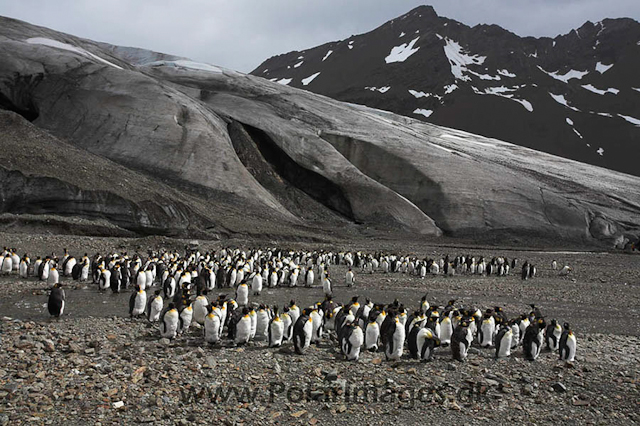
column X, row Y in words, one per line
column 156, row 309
column 200, row 310
column 139, row 304
column 212, row 328
column 169, row 325
column 372, row 336
column 505, row 346
column 277, row 333
column 243, row 330
column 262, row 325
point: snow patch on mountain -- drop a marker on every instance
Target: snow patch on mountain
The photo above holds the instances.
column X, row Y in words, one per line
column 350, row 45
column 602, row 68
column 594, row 89
column 426, row 112
column 284, row 81
column 506, row 73
column 64, row 46
column 565, row 77
column 298, row 64
column 484, row 76
column 630, row 119
column 450, row 88
column 416, row 94
column 637, row 89
column 600, row 151
column 402, row 34
column 459, row 59
column 381, row 89
column 505, row 92
column 402, row 52
column 306, row 81
column 569, row 121
column 327, row 55
column 183, row 63
column 577, row 133
column 562, row 101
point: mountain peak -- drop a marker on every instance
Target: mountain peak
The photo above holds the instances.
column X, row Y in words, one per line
column 573, row 96
column 424, row 10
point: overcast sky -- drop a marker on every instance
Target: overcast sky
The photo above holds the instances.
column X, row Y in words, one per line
column 240, row 34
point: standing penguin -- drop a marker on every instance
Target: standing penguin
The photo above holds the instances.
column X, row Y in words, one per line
column 186, row 316
column 487, row 329
column 24, row 267
column 276, row 329
column 287, row 324
column 352, row 340
column 568, row 344
column 461, row 341
column 211, row 326
column 317, row 330
column 256, row 284
column 394, row 339
column 309, row 276
column 200, row 307
column 56, row 301
column 54, row 276
column 243, row 328
column 446, row 330
column 263, row 319
column 425, row 343
column 169, row 322
column 154, row 307
column 242, row 294
column 553, row 335
column 372, row 334
column 533, row 340
column 350, row 278
column 326, row 285
column 503, row 341
column 294, row 312
column 302, row 332
column 137, row 302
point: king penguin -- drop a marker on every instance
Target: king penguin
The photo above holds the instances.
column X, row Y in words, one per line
column 533, row 338
column 568, row 344
column 276, row 329
column 154, row 307
column 211, row 326
column 169, row 322
column 461, row 341
column 56, row 301
column 503, row 341
column 394, row 339
column 137, row 302
column 302, row 331
column 552, row 335
column 352, row 340
column 243, row 328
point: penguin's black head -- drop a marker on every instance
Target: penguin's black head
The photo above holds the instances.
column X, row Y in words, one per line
column 354, row 299
column 245, row 311
column 451, row 302
column 292, row 302
column 566, row 326
column 157, row 292
column 171, row 306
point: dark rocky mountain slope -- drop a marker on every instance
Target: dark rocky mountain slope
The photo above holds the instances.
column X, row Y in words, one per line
column 576, row 95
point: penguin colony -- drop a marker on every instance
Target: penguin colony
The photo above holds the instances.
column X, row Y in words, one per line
column 185, row 282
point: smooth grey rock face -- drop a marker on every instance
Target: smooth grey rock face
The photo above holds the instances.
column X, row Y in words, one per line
column 233, row 144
